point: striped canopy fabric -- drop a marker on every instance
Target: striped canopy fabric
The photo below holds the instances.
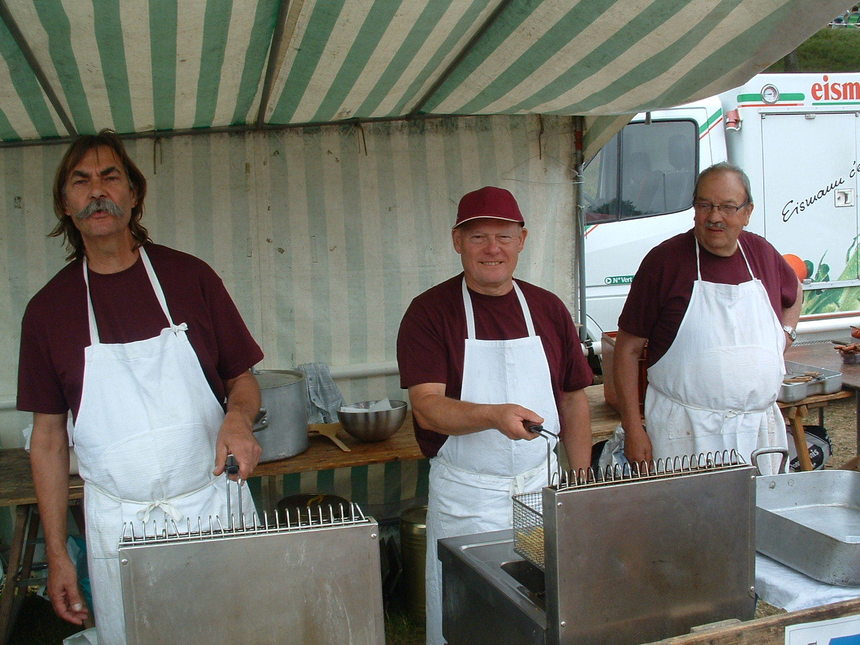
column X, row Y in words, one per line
column 156, row 66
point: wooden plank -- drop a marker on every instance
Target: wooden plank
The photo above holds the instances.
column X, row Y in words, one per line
column 322, row 454
column 765, row 631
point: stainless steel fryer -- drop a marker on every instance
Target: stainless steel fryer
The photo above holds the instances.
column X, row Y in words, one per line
column 810, row 521
column 631, row 558
column 315, row 581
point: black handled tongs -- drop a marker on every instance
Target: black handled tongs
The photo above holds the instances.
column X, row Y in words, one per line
column 231, row 467
column 539, row 429
column 548, row 435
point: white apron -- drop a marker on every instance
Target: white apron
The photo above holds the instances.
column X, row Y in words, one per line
column 145, row 439
column 715, row 388
column 474, row 475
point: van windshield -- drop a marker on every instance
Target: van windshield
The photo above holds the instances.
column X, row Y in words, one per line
column 656, row 174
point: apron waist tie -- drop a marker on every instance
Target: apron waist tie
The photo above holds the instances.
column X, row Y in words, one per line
column 725, row 412
column 166, row 505
column 515, row 482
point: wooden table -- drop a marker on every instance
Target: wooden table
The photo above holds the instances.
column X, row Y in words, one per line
column 823, row 355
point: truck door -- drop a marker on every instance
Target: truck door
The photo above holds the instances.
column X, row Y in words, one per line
column 809, row 202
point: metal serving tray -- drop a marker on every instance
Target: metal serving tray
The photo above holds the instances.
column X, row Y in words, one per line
column 827, row 383
column 810, row 521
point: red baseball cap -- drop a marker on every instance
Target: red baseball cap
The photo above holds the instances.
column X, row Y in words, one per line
column 488, row 202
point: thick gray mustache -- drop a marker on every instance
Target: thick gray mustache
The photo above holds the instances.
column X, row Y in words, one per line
column 101, row 204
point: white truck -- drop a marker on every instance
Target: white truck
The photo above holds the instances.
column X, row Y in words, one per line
column 797, row 136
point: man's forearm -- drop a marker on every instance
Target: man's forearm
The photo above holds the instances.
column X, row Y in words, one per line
column 575, row 417
column 243, row 396
column 439, row 413
column 49, row 459
column 628, row 349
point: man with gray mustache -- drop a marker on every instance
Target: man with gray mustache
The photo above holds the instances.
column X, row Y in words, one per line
column 717, row 307
column 144, row 347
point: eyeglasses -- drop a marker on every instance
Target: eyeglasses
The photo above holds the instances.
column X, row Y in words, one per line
column 725, row 209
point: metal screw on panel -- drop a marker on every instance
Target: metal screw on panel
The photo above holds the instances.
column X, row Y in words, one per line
column 373, row 536
column 563, row 623
column 124, row 561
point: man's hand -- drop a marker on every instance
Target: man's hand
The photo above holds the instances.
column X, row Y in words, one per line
column 637, row 446
column 435, row 411
column 63, row 590
column 236, row 436
column 513, row 420
column 237, row 433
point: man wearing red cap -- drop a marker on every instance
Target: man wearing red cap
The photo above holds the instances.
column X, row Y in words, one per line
column 484, row 357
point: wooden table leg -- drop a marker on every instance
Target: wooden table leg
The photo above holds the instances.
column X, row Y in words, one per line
column 23, row 513
column 796, row 416
column 857, row 414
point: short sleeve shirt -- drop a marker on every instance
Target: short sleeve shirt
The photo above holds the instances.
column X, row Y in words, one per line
column 431, row 341
column 55, row 331
column 663, row 285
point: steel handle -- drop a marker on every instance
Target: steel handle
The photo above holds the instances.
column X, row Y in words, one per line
column 770, row 451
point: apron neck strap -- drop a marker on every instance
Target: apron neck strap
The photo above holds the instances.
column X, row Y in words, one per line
column 153, row 280
column 699, row 266
column 470, row 312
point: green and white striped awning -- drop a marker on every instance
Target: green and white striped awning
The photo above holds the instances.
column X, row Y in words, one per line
column 138, row 66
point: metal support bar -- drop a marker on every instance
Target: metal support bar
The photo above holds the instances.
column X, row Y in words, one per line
column 30, row 57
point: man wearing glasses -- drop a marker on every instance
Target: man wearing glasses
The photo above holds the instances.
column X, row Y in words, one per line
column 717, row 307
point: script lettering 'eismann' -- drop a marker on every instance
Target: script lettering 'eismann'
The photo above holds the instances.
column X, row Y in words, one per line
column 793, row 207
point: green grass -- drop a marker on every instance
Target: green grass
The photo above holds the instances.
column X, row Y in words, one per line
column 828, row 50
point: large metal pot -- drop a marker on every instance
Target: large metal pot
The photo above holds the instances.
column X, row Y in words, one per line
column 285, row 399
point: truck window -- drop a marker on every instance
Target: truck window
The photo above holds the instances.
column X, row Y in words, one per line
column 656, row 174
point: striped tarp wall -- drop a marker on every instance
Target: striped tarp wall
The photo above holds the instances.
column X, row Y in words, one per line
column 141, row 65
column 323, row 235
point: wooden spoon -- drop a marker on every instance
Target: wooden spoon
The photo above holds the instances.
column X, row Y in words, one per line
column 329, row 430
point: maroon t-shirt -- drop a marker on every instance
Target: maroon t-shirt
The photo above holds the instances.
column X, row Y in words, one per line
column 431, row 342
column 663, row 285
column 54, row 332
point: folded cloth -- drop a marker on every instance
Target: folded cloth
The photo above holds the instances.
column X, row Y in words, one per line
column 783, row 587
column 324, row 397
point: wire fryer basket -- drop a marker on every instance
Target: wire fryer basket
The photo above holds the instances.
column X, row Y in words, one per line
column 528, row 527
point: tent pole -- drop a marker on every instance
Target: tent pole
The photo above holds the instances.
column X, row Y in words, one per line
column 579, row 239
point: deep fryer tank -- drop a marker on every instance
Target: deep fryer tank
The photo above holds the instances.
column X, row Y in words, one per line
column 628, row 559
column 641, row 559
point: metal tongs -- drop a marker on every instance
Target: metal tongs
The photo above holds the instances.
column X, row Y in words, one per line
column 231, row 467
column 548, row 435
